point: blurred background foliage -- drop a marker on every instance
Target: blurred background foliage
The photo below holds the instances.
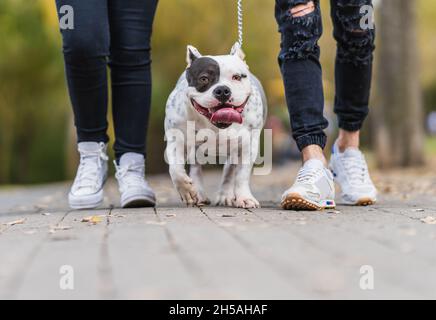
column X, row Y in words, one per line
column 37, row 142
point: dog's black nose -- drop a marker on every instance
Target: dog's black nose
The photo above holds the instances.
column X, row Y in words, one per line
column 222, row 93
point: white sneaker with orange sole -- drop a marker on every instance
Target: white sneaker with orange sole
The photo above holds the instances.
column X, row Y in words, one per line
column 351, row 173
column 313, row 189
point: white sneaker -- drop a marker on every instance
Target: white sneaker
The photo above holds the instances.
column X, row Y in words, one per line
column 135, row 191
column 350, row 171
column 87, row 189
column 313, row 189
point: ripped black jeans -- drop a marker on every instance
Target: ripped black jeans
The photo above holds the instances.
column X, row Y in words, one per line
column 302, row 72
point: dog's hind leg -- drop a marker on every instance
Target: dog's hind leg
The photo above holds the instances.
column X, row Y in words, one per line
column 196, row 174
column 226, row 193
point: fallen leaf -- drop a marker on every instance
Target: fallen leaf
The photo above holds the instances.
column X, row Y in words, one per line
column 13, row 223
column 429, row 220
column 93, row 219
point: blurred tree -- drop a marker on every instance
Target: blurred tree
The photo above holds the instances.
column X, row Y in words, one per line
column 399, row 118
column 31, row 94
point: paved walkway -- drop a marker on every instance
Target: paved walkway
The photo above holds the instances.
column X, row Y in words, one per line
column 176, row 252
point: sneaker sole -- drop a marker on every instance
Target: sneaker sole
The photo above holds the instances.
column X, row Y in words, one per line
column 294, row 201
column 364, row 202
column 79, row 204
column 138, row 202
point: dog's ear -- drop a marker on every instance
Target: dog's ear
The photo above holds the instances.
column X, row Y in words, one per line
column 237, row 51
column 192, row 54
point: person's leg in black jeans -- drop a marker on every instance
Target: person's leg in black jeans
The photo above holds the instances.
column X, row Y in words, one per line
column 300, row 26
column 86, row 49
column 353, row 71
column 118, row 30
column 131, row 24
column 355, row 34
column 114, row 33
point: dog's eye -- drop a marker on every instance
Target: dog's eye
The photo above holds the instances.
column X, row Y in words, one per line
column 204, row 80
column 237, row 77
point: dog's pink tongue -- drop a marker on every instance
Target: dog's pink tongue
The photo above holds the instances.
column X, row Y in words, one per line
column 226, row 115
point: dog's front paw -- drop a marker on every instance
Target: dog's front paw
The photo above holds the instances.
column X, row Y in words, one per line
column 203, row 200
column 187, row 191
column 225, row 199
column 246, row 202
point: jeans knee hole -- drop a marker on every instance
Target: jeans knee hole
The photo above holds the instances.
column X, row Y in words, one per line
column 301, row 10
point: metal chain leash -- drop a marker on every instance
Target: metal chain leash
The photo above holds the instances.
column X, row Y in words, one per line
column 240, row 23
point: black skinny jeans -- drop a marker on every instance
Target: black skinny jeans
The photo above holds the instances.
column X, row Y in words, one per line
column 302, row 73
column 114, row 33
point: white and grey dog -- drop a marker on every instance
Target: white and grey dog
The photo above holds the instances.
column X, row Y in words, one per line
column 217, row 93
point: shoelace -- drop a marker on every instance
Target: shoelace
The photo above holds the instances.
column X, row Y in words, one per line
column 130, row 175
column 308, row 175
column 90, row 164
column 356, row 168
